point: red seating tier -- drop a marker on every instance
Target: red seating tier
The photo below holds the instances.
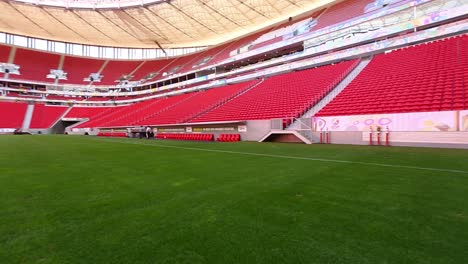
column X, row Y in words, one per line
column 196, row 137
column 4, row 53
column 35, row 65
column 79, row 68
column 341, row 12
column 90, row 113
column 198, row 103
column 45, row 116
column 105, row 114
column 12, row 114
column 283, row 96
column 116, row 69
column 423, row 78
column 152, row 66
column 228, row 138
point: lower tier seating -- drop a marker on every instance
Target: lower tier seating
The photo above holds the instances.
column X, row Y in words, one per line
column 45, row 116
column 228, row 138
column 12, row 114
column 423, row 78
column 175, row 136
column 283, row 96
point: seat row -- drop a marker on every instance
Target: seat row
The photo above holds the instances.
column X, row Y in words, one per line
column 229, row 138
column 196, row 137
column 112, row 134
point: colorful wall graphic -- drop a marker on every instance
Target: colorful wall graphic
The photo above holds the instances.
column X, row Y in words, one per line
column 422, row 121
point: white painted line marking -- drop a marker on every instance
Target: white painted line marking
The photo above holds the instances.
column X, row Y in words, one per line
column 285, row 157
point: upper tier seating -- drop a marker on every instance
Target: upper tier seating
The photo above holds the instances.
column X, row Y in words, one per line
column 4, row 54
column 341, row 12
column 238, row 44
column 152, row 66
column 284, row 29
column 204, row 58
column 283, row 96
column 45, row 116
column 80, row 68
column 427, row 77
column 35, row 65
column 12, row 114
column 116, row 69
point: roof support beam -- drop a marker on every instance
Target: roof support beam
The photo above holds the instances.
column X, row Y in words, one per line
column 219, row 13
column 117, row 25
column 27, row 17
column 65, row 25
column 193, row 19
column 167, row 22
column 253, row 9
column 90, row 24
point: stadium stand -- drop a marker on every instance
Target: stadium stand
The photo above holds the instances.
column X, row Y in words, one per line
column 342, row 11
column 114, row 70
column 4, row 53
column 104, row 114
column 199, row 103
column 283, row 96
column 89, row 113
column 44, row 116
column 289, row 28
column 80, row 68
column 197, row 137
column 149, row 115
column 156, row 67
column 422, row 78
column 229, row 138
column 12, row 114
column 35, row 65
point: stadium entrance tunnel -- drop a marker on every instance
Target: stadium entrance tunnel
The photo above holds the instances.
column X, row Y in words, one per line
column 285, row 137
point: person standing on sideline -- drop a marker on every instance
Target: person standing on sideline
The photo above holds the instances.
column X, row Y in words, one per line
column 148, row 132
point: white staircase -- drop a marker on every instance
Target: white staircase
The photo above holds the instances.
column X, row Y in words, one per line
column 28, row 117
column 332, row 94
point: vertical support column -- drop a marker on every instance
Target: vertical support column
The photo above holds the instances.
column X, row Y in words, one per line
column 28, row 117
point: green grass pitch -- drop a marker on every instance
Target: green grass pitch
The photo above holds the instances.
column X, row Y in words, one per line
column 67, row 199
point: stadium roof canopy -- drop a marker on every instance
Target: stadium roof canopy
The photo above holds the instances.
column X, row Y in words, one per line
column 146, row 23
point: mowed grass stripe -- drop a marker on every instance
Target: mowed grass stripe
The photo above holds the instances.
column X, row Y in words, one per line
column 82, row 200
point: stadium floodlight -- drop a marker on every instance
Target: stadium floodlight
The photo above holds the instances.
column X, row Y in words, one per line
column 149, row 76
column 57, row 74
column 93, row 77
column 9, row 68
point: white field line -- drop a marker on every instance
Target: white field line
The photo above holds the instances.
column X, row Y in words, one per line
column 283, row 156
